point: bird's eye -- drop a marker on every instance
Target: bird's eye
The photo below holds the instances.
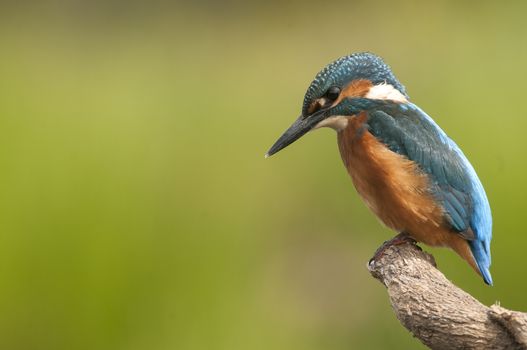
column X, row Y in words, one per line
column 333, row 93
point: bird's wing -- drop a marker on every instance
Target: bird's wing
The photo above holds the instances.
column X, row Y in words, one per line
column 408, row 131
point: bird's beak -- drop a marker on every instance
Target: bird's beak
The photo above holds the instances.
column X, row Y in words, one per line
column 299, row 128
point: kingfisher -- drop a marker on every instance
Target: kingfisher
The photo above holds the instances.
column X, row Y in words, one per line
column 413, row 177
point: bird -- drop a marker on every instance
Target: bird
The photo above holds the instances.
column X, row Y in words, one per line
column 406, row 169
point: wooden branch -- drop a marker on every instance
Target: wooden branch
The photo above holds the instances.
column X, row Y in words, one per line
column 438, row 313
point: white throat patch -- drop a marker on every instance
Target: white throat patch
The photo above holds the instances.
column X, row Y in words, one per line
column 385, row 92
column 337, row 123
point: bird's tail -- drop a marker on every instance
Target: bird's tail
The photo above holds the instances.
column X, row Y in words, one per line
column 481, row 252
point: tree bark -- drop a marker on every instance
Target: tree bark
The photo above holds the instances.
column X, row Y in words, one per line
column 438, row 313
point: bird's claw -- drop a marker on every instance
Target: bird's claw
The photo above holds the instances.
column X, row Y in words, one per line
column 401, row 238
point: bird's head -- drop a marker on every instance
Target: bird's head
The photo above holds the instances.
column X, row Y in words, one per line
column 361, row 75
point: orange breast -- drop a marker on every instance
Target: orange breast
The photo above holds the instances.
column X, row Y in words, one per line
column 395, row 189
column 391, row 185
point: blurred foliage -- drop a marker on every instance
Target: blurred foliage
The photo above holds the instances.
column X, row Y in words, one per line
column 138, row 212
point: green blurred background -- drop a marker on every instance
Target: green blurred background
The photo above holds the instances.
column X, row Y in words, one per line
column 138, row 211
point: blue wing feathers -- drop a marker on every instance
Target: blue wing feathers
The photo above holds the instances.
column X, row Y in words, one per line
column 417, row 142
column 411, row 132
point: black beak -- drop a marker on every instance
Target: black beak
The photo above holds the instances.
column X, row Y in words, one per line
column 299, row 128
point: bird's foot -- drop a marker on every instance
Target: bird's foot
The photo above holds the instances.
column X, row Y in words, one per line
column 401, row 238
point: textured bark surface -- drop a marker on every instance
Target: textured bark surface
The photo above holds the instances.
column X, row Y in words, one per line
column 438, row 313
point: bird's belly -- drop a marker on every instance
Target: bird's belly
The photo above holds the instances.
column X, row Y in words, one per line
column 392, row 186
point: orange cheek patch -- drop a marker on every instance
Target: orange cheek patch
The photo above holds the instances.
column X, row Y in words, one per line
column 314, row 106
column 357, row 88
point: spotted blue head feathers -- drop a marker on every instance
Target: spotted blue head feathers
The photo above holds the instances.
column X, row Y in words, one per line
column 342, row 71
